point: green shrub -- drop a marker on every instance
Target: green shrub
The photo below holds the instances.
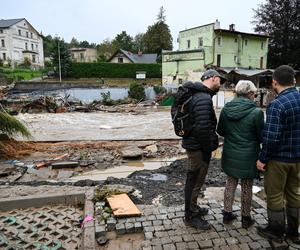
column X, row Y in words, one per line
column 159, row 90
column 106, row 99
column 114, row 70
column 137, row 91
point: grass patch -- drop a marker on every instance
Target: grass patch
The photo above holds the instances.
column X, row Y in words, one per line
column 20, row 74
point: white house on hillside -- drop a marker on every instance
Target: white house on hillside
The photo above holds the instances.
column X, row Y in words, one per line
column 18, row 40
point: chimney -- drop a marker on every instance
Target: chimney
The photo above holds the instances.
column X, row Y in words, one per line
column 232, row 27
column 217, row 24
column 140, row 53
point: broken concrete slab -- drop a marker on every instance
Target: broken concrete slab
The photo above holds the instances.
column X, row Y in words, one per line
column 131, row 152
column 152, row 148
column 65, row 164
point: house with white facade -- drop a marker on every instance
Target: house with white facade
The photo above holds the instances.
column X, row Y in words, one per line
column 84, row 54
column 20, row 40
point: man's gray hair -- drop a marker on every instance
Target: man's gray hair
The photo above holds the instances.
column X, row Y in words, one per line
column 244, row 88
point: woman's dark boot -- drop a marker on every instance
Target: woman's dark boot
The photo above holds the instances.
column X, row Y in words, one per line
column 228, row 217
column 247, row 221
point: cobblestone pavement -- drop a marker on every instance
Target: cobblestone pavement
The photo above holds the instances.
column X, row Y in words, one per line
column 164, row 229
column 55, row 228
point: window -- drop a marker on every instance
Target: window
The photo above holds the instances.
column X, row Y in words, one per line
column 26, row 34
column 219, row 41
column 246, row 42
column 2, row 43
column 26, row 46
column 31, row 35
column 262, row 62
column 120, row 59
column 218, row 60
column 20, row 34
column 188, row 44
column 235, row 40
column 4, row 56
column 32, row 48
column 33, row 58
column 200, row 42
column 262, row 45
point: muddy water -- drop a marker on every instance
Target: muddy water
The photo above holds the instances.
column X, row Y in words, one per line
column 125, row 170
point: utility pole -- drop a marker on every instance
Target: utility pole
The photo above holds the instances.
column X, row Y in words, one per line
column 59, row 65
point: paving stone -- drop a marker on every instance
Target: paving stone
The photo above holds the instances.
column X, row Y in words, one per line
column 259, row 210
column 232, row 241
column 162, row 217
column 141, row 219
column 148, row 229
column 205, row 244
column 179, row 214
column 166, row 222
column 159, row 228
column 219, row 242
column 178, row 221
column 168, row 227
column 219, row 227
column 150, row 217
column 148, row 235
column 171, row 210
column 111, row 224
column 100, row 230
column 176, row 238
column 212, row 235
column 254, row 245
column 130, row 220
column 157, row 222
column 171, row 215
column 165, row 240
column 244, row 246
column 188, row 237
column 120, row 228
column 193, row 245
column 138, row 227
column 244, row 239
column 264, row 243
column 157, row 247
column 161, row 234
column 224, row 234
column 225, row 248
column 129, row 227
column 172, row 233
column 147, row 223
column 255, row 236
column 169, row 247
column 181, row 246
column 209, row 217
column 261, row 221
column 163, row 210
column 234, row 233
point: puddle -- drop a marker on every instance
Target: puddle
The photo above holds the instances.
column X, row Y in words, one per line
column 126, row 169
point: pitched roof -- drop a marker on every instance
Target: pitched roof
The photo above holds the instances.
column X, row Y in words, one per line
column 242, row 33
column 6, row 23
column 135, row 58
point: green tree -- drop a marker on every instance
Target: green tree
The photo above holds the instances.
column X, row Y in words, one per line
column 74, row 43
column 158, row 36
column 123, row 41
column 106, row 50
column 281, row 20
column 84, row 44
column 48, row 43
column 137, row 91
column 138, row 43
column 65, row 57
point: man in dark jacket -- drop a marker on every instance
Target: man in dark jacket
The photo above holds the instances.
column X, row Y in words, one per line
column 200, row 143
column 280, row 158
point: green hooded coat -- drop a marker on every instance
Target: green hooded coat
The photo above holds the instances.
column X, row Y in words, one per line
column 241, row 123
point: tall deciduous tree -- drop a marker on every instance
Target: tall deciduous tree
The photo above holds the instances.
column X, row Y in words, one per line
column 106, row 49
column 281, row 20
column 158, row 36
column 123, row 41
column 138, row 43
column 74, row 43
column 60, row 47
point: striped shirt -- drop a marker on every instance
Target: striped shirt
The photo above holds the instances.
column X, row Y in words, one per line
column 281, row 133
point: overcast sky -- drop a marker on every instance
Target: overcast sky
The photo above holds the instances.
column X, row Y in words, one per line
column 96, row 20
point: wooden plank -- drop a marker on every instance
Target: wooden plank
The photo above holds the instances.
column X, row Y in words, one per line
column 122, row 206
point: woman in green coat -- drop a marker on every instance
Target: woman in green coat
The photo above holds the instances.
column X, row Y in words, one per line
column 240, row 123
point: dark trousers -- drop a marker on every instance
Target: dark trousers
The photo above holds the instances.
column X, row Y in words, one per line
column 196, row 173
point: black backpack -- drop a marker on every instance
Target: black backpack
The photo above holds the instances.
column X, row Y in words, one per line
column 181, row 118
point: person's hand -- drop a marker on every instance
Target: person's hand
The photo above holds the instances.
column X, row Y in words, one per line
column 260, row 166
